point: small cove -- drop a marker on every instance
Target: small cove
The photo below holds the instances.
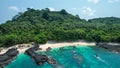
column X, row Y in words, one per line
column 72, row 57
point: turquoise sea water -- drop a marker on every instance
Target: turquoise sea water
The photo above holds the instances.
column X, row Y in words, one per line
column 72, row 57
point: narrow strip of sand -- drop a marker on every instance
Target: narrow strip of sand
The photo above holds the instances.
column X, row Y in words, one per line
column 63, row 44
column 23, row 47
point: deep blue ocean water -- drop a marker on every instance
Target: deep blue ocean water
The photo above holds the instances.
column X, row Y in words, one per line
column 72, row 57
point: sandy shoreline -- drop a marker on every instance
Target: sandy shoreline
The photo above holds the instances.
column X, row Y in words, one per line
column 23, row 47
column 63, row 44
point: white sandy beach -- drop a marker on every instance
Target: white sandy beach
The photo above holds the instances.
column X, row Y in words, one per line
column 23, row 47
column 62, row 44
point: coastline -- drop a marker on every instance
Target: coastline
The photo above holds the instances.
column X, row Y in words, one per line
column 20, row 47
column 23, row 47
column 52, row 44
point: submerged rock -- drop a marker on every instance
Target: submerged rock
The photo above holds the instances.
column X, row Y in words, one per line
column 8, row 57
column 51, row 60
column 78, row 58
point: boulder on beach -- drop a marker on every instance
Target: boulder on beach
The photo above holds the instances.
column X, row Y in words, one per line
column 48, row 49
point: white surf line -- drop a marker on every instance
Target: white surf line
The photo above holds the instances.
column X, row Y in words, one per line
column 100, row 59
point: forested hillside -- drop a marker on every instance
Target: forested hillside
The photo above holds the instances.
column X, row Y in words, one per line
column 42, row 25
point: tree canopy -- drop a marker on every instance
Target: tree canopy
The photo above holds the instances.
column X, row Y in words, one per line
column 43, row 25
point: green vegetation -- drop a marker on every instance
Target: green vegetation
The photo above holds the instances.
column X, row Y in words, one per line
column 42, row 25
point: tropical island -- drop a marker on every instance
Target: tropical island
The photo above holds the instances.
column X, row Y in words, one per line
column 43, row 25
column 56, row 29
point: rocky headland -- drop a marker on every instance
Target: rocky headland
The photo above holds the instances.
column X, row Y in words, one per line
column 8, row 57
column 39, row 58
column 110, row 46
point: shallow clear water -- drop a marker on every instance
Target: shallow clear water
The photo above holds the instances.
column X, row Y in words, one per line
column 72, row 57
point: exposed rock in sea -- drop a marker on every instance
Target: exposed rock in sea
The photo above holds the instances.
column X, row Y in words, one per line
column 111, row 47
column 51, row 60
column 8, row 57
column 38, row 58
column 48, row 49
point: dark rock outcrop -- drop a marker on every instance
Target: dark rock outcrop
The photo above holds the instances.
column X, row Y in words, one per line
column 48, row 49
column 8, row 57
column 111, row 47
column 38, row 58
